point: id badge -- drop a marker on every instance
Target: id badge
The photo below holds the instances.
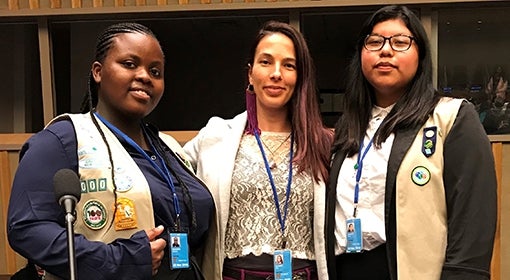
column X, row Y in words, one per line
column 354, row 236
column 179, row 250
column 282, row 264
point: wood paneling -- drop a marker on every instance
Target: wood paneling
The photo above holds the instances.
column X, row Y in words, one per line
column 497, row 151
column 13, row 5
column 34, row 4
column 55, row 4
column 69, row 7
column 5, row 190
column 76, row 3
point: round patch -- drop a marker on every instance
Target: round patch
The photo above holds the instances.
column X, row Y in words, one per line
column 94, row 214
column 124, row 183
column 420, row 175
column 123, row 180
column 430, row 133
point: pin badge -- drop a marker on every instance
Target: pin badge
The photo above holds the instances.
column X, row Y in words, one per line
column 94, row 214
column 429, row 141
column 420, row 175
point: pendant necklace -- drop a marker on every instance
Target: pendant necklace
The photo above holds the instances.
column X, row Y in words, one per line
column 272, row 163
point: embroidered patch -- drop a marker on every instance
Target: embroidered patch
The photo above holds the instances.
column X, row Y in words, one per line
column 102, row 184
column 420, row 175
column 93, row 185
column 94, row 214
column 429, row 141
column 83, row 186
column 125, row 216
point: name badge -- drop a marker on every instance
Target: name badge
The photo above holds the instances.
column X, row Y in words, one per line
column 282, row 264
column 354, row 236
column 179, row 250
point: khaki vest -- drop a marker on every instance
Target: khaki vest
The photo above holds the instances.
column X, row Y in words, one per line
column 421, row 203
column 95, row 210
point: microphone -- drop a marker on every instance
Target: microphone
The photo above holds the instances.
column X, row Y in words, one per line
column 68, row 192
column 67, row 189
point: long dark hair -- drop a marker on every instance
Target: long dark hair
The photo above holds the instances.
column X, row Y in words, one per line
column 411, row 109
column 313, row 140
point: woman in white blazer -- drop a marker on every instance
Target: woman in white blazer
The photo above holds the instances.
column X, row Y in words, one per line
column 264, row 210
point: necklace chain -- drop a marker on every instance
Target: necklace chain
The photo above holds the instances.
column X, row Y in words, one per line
column 272, row 163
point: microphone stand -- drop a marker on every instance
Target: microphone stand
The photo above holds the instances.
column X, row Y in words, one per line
column 70, row 218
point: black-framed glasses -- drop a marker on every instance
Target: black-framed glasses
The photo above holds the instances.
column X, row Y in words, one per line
column 398, row 42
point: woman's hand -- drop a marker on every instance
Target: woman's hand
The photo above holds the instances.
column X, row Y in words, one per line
column 157, row 247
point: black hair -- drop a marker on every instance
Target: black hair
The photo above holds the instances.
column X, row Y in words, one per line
column 412, row 109
column 103, row 44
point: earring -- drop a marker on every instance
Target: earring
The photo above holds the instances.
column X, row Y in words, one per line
column 251, row 109
column 249, row 89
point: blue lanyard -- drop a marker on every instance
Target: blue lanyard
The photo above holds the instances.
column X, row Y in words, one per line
column 165, row 173
column 289, row 181
column 358, row 167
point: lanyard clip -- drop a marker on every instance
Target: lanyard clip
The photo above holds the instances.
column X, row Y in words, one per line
column 284, row 242
column 355, row 212
column 177, row 224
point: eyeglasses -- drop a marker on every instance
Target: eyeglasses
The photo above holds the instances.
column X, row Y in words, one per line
column 398, row 42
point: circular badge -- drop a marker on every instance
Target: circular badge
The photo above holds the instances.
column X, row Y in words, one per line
column 94, row 214
column 430, row 133
column 123, row 182
column 420, row 175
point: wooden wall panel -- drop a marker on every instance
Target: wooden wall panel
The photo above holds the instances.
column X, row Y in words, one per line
column 76, row 3
column 13, row 4
column 34, row 4
column 497, row 151
column 504, row 224
column 5, row 190
column 55, row 4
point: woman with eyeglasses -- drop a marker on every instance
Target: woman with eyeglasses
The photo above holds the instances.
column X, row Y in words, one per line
column 412, row 171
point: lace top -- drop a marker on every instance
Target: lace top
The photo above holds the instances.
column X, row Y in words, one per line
column 253, row 225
